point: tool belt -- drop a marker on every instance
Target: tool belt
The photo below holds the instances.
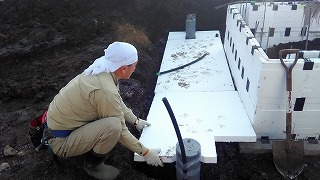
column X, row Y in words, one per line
column 39, row 133
column 60, row 133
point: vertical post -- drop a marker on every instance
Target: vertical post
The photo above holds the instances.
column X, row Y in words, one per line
column 191, row 26
column 241, row 8
column 308, row 30
column 264, row 18
column 245, row 12
column 268, row 40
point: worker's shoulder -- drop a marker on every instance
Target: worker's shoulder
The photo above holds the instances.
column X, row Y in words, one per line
column 105, row 83
column 98, row 80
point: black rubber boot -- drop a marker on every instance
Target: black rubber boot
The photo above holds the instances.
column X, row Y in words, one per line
column 95, row 167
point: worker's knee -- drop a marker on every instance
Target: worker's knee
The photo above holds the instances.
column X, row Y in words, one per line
column 112, row 124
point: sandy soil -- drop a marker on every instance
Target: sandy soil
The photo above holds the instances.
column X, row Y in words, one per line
column 44, row 44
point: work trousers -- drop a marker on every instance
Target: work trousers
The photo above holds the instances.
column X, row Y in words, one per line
column 100, row 136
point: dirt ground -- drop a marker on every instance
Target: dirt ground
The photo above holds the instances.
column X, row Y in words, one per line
column 45, row 43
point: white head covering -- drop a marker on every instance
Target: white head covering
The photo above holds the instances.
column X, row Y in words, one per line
column 116, row 55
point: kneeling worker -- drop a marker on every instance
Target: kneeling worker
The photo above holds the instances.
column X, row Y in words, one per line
column 88, row 115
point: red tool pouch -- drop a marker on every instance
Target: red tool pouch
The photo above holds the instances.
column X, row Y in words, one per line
column 36, row 127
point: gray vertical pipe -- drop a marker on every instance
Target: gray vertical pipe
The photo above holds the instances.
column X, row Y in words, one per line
column 191, row 26
column 264, row 18
column 268, row 41
column 241, row 8
column 308, row 30
column 191, row 169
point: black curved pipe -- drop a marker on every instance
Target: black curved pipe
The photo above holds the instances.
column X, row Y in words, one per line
column 183, row 66
column 176, row 128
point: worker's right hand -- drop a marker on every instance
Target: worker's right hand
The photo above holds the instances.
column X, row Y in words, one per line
column 152, row 157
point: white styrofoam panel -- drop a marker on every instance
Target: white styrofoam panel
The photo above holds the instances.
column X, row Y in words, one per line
column 277, row 103
column 270, row 101
column 311, row 54
column 279, row 19
column 272, row 104
column 253, row 69
column 272, row 83
column 275, row 15
column 204, row 116
column 306, row 124
column 272, row 123
column 311, row 103
column 273, row 100
column 273, row 80
column 209, row 74
column 306, row 83
column 307, row 54
column 248, row 31
column 250, row 63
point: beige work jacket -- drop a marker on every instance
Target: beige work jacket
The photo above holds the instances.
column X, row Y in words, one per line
column 87, row 98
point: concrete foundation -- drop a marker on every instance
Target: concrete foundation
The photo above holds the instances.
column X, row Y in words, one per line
column 264, row 146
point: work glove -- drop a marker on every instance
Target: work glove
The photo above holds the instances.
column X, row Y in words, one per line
column 140, row 124
column 152, row 157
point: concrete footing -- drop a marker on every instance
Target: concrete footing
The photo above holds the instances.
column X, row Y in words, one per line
column 265, row 146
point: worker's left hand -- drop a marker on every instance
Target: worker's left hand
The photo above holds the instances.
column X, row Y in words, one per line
column 152, row 157
column 140, row 124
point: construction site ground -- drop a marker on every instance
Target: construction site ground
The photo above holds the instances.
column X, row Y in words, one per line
column 44, row 44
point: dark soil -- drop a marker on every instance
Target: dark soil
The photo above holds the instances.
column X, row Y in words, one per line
column 45, row 43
